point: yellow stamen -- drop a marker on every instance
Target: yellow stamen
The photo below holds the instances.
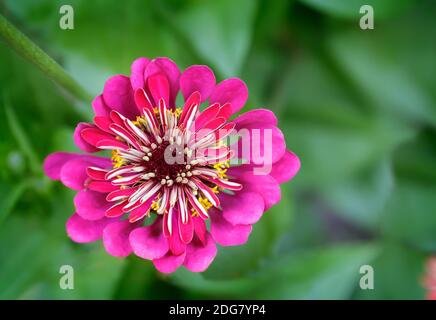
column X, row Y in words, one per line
column 117, row 160
column 178, row 112
column 221, row 168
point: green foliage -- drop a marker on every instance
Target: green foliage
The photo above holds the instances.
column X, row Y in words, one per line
column 358, row 108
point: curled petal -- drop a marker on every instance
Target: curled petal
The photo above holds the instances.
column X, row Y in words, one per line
column 199, row 256
column 197, row 78
column 82, row 231
column 137, row 70
column 149, row 242
column 170, row 70
column 242, row 207
column 116, row 238
column 79, row 141
column 232, row 90
column 227, row 234
column 118, row 95
column 286, row 168
column 100, row 107
column 91, row 205
column 169, row 262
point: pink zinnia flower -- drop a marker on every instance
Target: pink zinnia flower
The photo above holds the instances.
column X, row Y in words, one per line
column 429, row 280
column 138, row 201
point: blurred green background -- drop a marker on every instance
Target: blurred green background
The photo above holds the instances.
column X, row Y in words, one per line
column 358, row 107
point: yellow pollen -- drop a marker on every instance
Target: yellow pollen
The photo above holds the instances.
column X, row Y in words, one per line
column 178, row 112
column 205, row 203
column 117, row 160
column 221, row 168
column 155, row 205
column 216, row 189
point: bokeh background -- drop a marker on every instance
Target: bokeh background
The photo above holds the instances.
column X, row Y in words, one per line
column 358, row 107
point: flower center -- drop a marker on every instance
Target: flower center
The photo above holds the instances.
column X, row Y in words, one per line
column 162, row 163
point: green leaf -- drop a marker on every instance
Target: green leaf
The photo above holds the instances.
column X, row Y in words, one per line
column 22, row 262
column 398, row 271
column 328, row 273
column 331, row 129
column 220, row 31
column 363, row 197
column 410, row 214
column 238, row 261
column 350, row 8
column 372, row 64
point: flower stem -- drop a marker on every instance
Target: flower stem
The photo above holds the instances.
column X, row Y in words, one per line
column 31, row 52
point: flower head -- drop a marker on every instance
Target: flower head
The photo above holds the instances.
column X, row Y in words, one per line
column 170, row 169
column 429, row 280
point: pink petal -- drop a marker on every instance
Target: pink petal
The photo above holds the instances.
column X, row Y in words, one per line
column 286, row 168
column 116, row 210
column 242, row 207
column 200, row 229
column 159, row 88
column 142, row 210
column 149, row 242
column 103, row 123
column 177, row 246
column 257, row 118
column 102, row 186
column 94, row 135
column 73, row 174
column 55, row 161
column 118, row 95
column 197, row 78
column 96, row 173
column 225, row 111
column 79, row 141
column 91, row 205
column 137, row 72
column 81, row 230
column 260, row 146
column 199, row 256
column 191, row 104
column 225, row 233
column 169, row 262
column 206, row 115
column 231, row 90
column 100, row 107
column 171, row 71
column 186, row 230
column 265, row 185
column 116, row 238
